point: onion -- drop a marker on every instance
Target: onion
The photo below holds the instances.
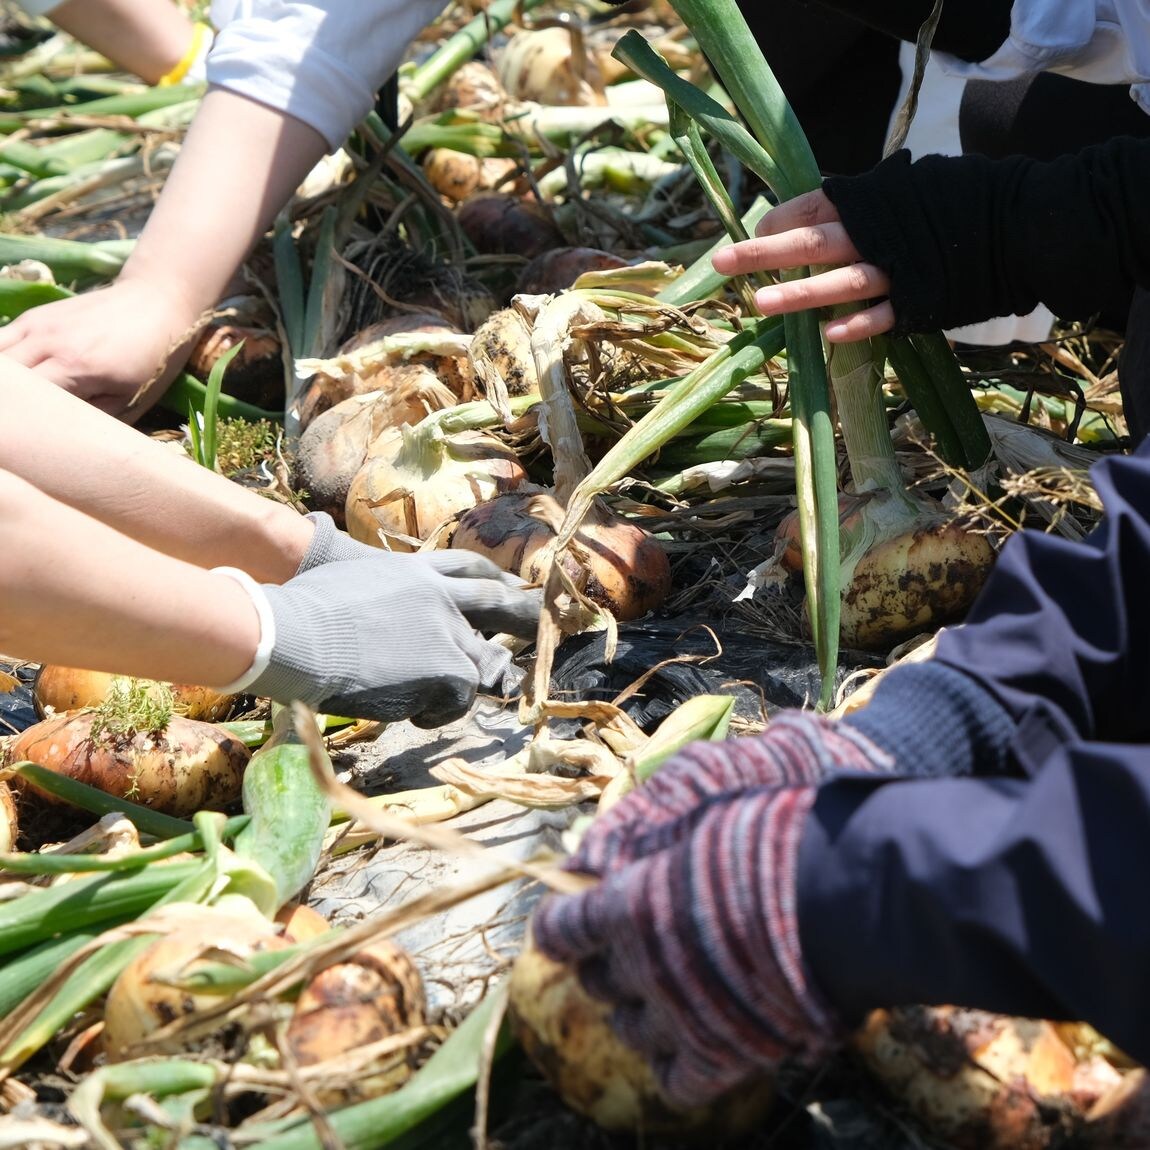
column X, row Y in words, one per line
column 415, row 479
column 335, row 446
column 499, row 224
column 473, row 87
column 57, row 689
column 257, row 371
column 146, row 996
column 566, row 1034
column 617, row 564
column 550, row 66
column 987, row 1081
column 502, row 357
column 374, row 995
column 184, row 767
column 362, row 372
column 557, row 270
column 457, row 175
column 902, row 573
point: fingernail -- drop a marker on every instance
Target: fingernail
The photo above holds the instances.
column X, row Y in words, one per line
column 835, row 330
column 767, row 299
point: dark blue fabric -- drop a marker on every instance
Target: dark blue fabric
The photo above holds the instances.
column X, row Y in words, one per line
column 1026, row 894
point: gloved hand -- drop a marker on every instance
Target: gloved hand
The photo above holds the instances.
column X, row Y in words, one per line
column 696, row 946
column 390, row 636
column 330, row 545
column 797, row 747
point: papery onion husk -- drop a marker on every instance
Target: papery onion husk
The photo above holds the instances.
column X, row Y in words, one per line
column 983, row 1081
column 452, row 371
column 612, row 560
column 334, row 446
column 185, row 767
column 376, row 994
column 501, row 224
column 143, row 999
column 413, row 481
column 566, row 1033
column 57, row 689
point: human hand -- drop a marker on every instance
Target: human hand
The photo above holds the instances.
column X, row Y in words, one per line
column 797, row 748
column 807, row 232
column 106, row 345
column 696, row 947
column 391, row 637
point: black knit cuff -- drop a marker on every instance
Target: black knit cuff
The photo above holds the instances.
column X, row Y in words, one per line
column 936, row 721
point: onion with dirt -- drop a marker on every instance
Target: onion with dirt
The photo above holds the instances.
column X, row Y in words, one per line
column 985, row 1081
column 147, row 994
column 900, row 577
column 613, row 561
column 179, row 767
column 416, row 478
column 457, row 175
column 566, row 1033
column 557, row 270
column 376, row 995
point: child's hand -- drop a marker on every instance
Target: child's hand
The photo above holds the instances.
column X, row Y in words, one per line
column 806, row 231
column 105, row 346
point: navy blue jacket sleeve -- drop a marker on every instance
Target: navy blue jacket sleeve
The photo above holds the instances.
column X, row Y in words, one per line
column 1022, row 896
column 1022, row 892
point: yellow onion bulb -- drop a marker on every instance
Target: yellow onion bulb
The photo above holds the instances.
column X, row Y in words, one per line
column 614, row 561
column 567, row 1035
column 412, row 483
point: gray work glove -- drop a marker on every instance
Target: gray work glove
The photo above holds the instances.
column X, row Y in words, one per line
column 331, row 545
column 392, row 636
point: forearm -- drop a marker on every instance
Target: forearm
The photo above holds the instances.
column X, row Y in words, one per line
column 1022, row 897
column 74, row 591
column 78, row 456
column 239, row 165
column 146, row 37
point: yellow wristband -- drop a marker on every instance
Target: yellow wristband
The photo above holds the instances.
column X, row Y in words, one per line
column 199, row 34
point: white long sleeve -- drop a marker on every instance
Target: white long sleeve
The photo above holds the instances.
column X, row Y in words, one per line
column 1102, row 42
column 321, row 62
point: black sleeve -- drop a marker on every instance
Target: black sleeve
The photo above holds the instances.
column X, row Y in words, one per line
column 973, row 30
column 964, row 238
